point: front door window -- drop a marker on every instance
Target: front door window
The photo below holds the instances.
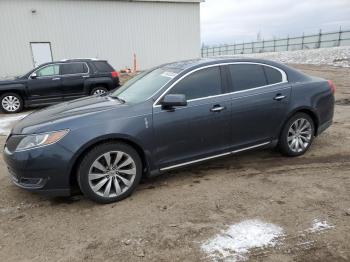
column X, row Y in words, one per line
column 49, row 70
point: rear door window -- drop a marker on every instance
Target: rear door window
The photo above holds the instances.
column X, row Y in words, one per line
column 273, row 75
column 74, row 68
column 247, row 76
column 200, row 84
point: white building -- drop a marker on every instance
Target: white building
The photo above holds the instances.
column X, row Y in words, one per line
column 157, row 31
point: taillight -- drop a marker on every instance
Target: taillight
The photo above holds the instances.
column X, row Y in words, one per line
column 331, row 86
column 114, row 74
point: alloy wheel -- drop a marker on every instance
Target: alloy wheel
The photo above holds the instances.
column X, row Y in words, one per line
column 299, row 135
column 112, row 173
column 99, row 92
column 10, row 103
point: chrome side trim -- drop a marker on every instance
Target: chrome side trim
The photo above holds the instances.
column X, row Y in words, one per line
column 194, row 161
column 284, row 80
column 215, row 156
column 250, row 147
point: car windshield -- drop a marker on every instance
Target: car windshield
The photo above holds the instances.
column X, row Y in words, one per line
column 144, row 85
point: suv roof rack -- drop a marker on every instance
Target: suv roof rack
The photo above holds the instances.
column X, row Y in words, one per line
column 72, row 59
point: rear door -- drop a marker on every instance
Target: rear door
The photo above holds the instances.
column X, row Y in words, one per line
column 260, row 99
column 199, row 130
column 73, row 79
column 46, row 86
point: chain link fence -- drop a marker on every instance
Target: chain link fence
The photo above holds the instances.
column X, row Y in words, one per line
column 313, row 41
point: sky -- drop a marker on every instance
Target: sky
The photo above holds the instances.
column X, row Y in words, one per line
column 228, row 21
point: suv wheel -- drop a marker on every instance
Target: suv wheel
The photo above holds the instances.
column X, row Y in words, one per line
column 99, row 90
column 11, row 103
column 110, row 172
column 297, row 135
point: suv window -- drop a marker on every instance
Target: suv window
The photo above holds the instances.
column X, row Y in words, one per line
column 73, row 68
column 246, row 76
column 203, row 83
column 103, row 66
column 49, row 70
column 273, row 76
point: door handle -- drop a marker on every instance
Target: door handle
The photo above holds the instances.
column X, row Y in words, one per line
column 217, row 108
column 86, row 76
column 279, row 97
column 56, row 78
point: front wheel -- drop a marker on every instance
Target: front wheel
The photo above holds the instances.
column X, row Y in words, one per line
column 110, row 172
column 11, row 103
column 297, row 135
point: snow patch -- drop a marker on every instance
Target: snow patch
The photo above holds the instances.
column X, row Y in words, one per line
column 6, row 122
column 318, row 225
column 335, row 56
column 234, row 244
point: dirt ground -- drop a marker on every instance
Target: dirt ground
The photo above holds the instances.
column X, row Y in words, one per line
column 168, row 217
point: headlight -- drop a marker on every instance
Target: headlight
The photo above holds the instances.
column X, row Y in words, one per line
column 39, row 140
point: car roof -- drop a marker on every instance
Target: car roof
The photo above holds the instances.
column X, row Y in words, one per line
column 80, row 60
column 185, row 66
column 188, row 64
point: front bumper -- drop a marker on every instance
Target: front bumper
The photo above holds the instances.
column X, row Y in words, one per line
column 44, row 170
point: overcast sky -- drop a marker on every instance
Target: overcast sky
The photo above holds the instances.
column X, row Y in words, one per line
column 226, row 21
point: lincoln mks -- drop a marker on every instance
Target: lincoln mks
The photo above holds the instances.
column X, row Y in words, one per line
column 165, row 118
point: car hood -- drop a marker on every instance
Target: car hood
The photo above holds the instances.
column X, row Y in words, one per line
column 68, row 111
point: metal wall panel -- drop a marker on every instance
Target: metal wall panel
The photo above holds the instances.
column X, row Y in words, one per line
column 114, row 30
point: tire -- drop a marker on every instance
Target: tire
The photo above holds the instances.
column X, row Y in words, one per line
column 105, row 183
column 98, row 90
column 297, row 143
column 11, row 103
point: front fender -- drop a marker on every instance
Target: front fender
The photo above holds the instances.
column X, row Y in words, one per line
column 19, row 88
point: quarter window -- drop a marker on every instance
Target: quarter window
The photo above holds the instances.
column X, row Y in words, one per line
column 49, row 70
column 246, row 76
column 203, row 83
column 73, row 68
column 103, row 66
column 273, row 76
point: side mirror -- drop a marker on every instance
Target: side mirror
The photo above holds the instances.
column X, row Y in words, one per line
column 33, row 76
column 170, row 101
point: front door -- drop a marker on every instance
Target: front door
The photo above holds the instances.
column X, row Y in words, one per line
column 45, row 87
column 196, row 131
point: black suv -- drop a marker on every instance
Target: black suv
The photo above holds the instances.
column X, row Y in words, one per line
column 56, row 82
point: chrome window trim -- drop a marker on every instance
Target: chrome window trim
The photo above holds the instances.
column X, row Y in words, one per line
column 60, row 63
column 214, row 156
column 283, row 73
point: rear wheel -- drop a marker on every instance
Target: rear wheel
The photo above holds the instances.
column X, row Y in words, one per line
column 110, row 172
column 99, row 90
column 11, row 103
column 297, row 135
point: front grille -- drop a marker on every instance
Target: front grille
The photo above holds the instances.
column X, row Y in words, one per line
column 12, row 142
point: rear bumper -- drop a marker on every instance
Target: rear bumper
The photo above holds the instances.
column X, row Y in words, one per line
column 323, row 127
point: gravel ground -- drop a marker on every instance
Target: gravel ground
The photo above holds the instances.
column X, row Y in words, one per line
column 169, row 218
